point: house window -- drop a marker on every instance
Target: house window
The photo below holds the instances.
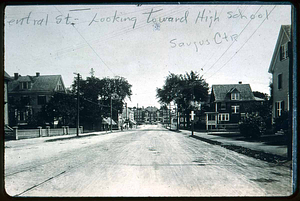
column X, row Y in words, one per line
column 223, row 117
column 235, row 109
column 223, row 106
column 41, row 100
column 283, row 51
column 279, row 107
column 235, row 96
column 24, row 85
column 279, row 81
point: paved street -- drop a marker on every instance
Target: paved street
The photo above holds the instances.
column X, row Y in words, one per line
column 148, row 161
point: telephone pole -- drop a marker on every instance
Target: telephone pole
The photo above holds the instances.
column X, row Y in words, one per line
column 111, row 113
column 77, row 124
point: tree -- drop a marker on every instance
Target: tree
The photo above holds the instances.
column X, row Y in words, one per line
column 62, row 108
column 184, row 90
column 261, row 95
column 95, row 97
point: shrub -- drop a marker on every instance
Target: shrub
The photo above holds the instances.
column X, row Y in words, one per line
column 282, row 122
column 252, row 126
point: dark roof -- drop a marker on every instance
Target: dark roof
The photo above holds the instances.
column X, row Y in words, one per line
column 222, row 92
column 287, row 29
column 7, row 76
column 40, row 83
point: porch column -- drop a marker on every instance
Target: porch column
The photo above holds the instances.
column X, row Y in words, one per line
column 16, row 132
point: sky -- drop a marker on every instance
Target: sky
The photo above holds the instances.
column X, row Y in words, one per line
column 144, row 43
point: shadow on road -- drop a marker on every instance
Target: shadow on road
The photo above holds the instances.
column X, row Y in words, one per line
column 73, row 137
column 248, row 152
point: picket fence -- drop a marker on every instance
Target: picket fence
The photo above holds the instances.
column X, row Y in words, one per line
column 40, row 132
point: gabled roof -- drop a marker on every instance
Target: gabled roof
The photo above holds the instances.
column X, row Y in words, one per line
column 222, row 92
column 7, row 76
column 40, row 83
column 107, row 121
column 285, row 30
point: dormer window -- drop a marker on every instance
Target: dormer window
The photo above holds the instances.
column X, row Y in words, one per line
column 25, row 85
column 235, row 96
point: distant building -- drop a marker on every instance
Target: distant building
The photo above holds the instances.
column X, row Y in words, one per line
column 30, row 93
column 139, row 115
column 279, row 67
column 152, row 114
column 227, row 105
column 126, row 118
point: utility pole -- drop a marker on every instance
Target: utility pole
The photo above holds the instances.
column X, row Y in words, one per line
column 78, row 80
column 137, row 113
column 126, row 119
column 110, row 113
column 170, row 115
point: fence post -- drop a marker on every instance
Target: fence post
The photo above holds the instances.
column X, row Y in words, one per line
column 16, row 132
column 40, row 131
column 81, row 129
column 67, row 130
column 64, row 130
column 48, row 130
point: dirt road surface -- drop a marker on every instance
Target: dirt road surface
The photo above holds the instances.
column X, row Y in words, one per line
column 148, row 161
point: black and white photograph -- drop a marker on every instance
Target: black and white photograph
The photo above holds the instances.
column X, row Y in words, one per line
column 150, row 100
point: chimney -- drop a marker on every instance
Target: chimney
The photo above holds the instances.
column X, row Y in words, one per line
column 37, row 74
column 16, row 76
column 240, row 82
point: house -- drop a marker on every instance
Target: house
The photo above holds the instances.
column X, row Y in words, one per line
column 126, row 119
column 7, row 79
column 30, row 93
column 228, row 104
column 279, row 67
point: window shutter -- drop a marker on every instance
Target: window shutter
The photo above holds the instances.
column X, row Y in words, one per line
column 282, row 106
column 281, row 52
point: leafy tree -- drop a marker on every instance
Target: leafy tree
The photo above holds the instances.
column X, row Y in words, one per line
column 95, row 97
column 61, row 107
column 184, row 90
column 261, row 95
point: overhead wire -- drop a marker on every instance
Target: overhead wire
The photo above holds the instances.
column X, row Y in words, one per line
column 231, row 43
column 214, row 52
column 242, row 45
column 91, row 48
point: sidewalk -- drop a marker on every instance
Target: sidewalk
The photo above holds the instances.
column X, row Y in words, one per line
column 235, row 140
column 31, row 141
